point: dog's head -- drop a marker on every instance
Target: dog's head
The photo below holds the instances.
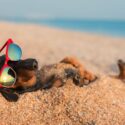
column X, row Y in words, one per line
column 26, row 79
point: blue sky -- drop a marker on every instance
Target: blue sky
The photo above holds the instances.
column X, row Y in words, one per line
column 76, row 9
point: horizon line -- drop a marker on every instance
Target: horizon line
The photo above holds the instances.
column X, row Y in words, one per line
column 57, row 18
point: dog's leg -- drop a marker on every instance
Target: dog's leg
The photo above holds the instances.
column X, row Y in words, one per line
column 83, row 76
column 73, row 61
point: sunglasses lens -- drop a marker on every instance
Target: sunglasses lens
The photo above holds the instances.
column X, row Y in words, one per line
column 14, row 52
column 8, row 76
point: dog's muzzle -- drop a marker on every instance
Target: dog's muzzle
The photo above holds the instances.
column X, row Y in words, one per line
column 29, row 64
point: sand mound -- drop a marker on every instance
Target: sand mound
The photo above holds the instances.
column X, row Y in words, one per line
column 101, row 103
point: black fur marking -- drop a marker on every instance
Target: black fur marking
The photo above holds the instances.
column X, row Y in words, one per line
column 36, row 87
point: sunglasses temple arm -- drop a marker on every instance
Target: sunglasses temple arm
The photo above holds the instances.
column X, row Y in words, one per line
column 8, row 41
column 3, row 46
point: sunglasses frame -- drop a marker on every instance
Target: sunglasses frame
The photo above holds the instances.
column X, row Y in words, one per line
column 8, row 42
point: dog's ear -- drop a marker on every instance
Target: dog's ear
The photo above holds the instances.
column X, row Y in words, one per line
column 9, row 94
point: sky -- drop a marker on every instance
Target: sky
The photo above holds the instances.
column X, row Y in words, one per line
column 70, row 9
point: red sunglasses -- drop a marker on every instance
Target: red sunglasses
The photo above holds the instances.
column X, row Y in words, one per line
column 7, row 74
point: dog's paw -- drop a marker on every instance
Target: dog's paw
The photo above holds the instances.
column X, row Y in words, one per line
column 80, row 79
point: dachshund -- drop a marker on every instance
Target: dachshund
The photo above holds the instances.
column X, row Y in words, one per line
column 29, row 78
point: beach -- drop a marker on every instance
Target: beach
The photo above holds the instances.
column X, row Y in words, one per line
column 100, row 103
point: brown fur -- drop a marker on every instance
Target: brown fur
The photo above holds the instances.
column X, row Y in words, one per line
column 25, row 78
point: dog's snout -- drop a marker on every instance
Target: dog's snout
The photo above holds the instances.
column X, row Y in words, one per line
column 30, row 64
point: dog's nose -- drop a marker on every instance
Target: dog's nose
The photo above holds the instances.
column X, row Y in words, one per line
column 32, row 64
column 35, row 64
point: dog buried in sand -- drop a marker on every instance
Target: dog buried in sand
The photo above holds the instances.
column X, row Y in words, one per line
column 29, row 78
column 23, row 75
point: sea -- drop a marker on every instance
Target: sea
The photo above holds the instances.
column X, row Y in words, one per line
column 115, row 28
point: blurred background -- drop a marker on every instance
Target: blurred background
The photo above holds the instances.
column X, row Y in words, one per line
column 91, row 30
column 95, row 16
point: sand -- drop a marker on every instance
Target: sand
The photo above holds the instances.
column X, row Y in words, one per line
column 100, row 103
